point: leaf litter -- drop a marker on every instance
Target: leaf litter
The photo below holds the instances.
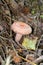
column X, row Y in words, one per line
column 14, row 52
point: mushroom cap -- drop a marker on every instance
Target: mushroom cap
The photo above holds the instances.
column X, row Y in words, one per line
column 21, row 28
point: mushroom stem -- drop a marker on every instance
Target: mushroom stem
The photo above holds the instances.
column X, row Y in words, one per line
column 18, row 37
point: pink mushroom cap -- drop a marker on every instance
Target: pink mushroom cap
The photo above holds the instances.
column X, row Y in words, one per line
column 21, row 28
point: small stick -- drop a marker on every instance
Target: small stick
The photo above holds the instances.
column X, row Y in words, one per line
column 27, row 60
column 8, row 60
column 39, row 59
column 28, row 19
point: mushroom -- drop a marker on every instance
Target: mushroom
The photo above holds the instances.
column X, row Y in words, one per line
column 21, row 29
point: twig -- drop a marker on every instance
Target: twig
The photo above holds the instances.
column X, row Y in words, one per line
column 38, row 59
column 8, row 60
column 1, row 60
column 14, row 50
column 4, row 38
column 20, row 45
column 3, row 53
column 27, row 60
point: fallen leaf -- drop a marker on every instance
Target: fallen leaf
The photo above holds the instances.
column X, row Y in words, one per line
column 26, row 10
column 16, row 59
column 29, row 43
column 41, row 16
column 33, row 12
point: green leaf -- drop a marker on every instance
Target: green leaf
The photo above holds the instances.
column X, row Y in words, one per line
column 29, row 43
column 33, row 12
column 41, row 16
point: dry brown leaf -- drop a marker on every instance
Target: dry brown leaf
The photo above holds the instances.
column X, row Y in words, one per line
column 25, row 10
column 16, row 59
